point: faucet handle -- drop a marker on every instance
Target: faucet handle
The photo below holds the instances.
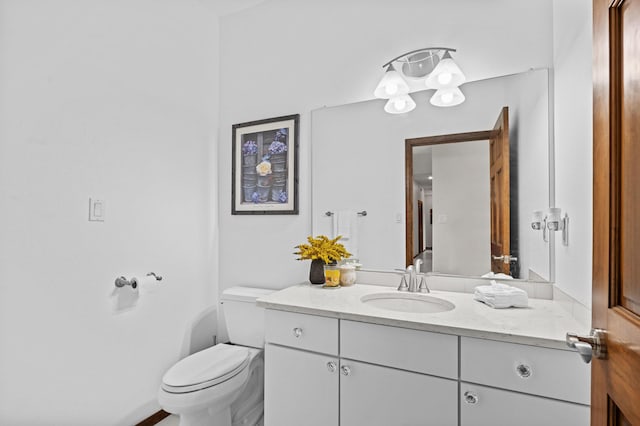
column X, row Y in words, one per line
column 403, row 284
column 423, row 288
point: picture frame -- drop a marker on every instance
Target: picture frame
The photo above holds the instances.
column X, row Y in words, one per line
column 265, row 166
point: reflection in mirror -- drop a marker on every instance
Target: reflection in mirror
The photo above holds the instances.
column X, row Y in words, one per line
column 358, row 163
column 463, row 179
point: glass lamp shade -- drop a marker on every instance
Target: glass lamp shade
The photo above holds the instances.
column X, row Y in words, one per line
column 391, row 85
column 447, row 97
column 446, row 74
column 400, row 104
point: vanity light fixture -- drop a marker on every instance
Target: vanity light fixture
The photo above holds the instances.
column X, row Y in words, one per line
column 447, row 97
column 557, row 222
column 431, row 67
column 447, row 74
column 400, row 104
column 391, row 85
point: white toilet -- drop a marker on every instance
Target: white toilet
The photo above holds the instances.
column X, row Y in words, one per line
column 223, row 385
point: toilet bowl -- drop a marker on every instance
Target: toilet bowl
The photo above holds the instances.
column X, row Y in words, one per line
column 222, row 385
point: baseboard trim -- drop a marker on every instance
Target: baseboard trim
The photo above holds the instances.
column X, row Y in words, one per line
column 154, row 419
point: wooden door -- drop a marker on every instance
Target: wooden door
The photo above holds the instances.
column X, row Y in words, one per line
column 499, row 175
column 615, row 386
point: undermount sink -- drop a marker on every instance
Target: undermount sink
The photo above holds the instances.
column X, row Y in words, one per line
column 408, row 302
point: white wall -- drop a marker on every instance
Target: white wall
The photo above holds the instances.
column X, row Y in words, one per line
column 461, row 208
column 293, row 56
column 417, row 195
column 573, row 144
column 428, row 226
column 529, row 124
column 114, row 99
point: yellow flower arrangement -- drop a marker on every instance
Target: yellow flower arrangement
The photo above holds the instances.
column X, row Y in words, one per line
column 323, row 248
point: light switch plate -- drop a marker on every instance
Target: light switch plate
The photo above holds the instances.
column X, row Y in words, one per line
column 96, row 210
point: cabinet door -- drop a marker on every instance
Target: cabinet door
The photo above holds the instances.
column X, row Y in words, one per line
column 301, row 388
column 483, row 406
column 372, row 395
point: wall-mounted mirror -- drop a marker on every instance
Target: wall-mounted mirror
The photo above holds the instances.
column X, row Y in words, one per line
column 359, row 164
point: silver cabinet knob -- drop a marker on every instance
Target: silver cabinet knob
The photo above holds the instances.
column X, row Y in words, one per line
column 332, row 366
column 523, row 370
column 345, row 370
column 470, row 397
column 297, row 332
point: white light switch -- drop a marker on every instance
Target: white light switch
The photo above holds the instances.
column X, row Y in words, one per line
column 96, row 210
column 442, row 218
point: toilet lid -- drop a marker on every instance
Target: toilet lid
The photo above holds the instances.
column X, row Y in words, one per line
column 206, row 368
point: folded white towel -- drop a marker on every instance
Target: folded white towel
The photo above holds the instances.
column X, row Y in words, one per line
column 499, row 275
column 501, row 296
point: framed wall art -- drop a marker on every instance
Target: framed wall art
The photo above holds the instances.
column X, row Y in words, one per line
column 265, row 166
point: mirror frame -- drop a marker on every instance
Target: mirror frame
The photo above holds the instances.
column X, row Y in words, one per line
column 409, row 144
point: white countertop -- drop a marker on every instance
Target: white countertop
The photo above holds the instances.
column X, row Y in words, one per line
column 544, row 323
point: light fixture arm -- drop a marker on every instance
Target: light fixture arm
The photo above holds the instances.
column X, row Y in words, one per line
column 424, row 49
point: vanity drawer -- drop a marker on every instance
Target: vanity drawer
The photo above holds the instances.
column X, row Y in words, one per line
column 309, row 332
column 413, row 350
column 483, row 406
column 540, row 371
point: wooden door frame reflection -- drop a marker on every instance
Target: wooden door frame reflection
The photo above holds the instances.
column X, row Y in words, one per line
column 409, row 144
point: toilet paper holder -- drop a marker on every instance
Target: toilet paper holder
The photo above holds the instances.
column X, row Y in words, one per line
column 122, row 281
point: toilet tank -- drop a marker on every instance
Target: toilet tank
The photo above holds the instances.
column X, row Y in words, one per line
column 245, row 320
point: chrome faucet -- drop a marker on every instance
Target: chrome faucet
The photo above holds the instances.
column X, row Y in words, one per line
column 414, row 274
column 413, row 279
column 422, row 287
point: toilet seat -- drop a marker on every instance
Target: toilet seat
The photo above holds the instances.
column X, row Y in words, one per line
column 206, row 368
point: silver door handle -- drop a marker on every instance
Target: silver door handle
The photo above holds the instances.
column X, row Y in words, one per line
column 593, row 345
column 505, row 258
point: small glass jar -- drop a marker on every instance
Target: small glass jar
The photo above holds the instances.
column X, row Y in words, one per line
column 352, row 261
column 347, row 274
column 331, row 275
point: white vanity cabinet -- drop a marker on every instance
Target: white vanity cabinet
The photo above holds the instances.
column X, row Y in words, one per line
column 301, row 387
column 504, row 384
column 383, row 376
column 329, row 372
column 397, row 376
column 301, row 370
column 374, row 395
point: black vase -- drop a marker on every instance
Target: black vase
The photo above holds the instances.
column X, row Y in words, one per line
column 316, row 272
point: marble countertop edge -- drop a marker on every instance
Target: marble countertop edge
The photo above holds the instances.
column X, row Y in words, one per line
column 543, row 324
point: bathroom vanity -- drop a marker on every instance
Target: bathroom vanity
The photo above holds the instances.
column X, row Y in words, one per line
column 332, row 359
